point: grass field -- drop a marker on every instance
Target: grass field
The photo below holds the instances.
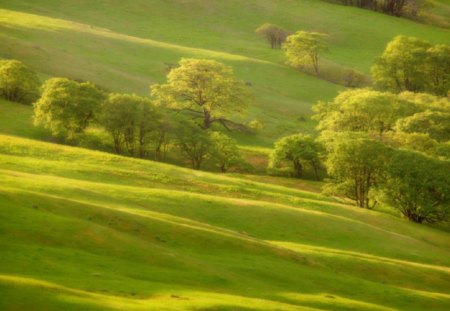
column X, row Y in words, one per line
column 128, row 45
column 85, row 230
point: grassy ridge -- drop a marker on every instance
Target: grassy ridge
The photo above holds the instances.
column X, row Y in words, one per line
column 87, row 230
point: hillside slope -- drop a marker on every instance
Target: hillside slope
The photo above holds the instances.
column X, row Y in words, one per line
column 128, row 45
column 85, row 230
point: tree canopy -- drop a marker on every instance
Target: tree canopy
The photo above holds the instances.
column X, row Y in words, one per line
column 66, row 107
column 355, row 166
column 412, row 64
column 18, row 82
column 303, row 49
column 300, row 150
column 418, row 186
column 206, row 88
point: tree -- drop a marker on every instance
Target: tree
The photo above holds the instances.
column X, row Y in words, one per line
column 418, row 186
column 402, row 65
column 299, row 150
column 194, row 143
column 362, row 110
column 18, row 83
column 393, row 7
column 434, row 123
column 205, row 88
column 67, row 107
column 131, row 121
column 355, row 166
column 225, row 151
column 438, row 73
column 274, row 34
column 303, row 49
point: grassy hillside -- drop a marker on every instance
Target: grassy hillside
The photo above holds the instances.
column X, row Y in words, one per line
column 85, row 230
column 127, row 45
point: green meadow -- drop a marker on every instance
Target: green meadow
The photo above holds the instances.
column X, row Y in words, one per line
column 88, row 230
column 85, row 230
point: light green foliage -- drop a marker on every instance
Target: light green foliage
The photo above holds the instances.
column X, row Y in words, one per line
column 416, row 141
column 67, row 107
column 412, row 64
column 194, row 142
column 438, row 62
column 300, row 151
column 274, row 34
column 303, row 49
column 355, row 165
column 361, row 110
column 418, row 186
column 424, row 101
column 206, row 88
column 18, row 82
column 434, row 123
column 131, row 120
column 225, row 151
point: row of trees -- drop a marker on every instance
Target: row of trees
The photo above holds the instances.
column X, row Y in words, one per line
column 180, row 115
column 391, row 7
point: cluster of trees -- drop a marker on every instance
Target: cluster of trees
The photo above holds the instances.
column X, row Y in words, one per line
column 391, row 7
column 18, row 82
column 180, row 114
column 412, row 64
column 379, row 147
column 389, row 147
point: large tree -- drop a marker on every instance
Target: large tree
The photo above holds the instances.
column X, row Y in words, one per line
column 299, row 150
column 131, row 120
column 418, row 186
column 355, row 165
column 18, row 82
column 274, row 34
column 67, row 107
column 206, row 88
column 303, row 49
column 402, row 65
column 362, row 110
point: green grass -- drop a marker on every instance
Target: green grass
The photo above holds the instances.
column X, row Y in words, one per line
column 85, row 230
column 127, row 45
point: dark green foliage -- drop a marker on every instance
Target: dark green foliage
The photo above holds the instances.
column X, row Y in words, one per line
column 418, row 186
column 300, row 151
column 133, row 122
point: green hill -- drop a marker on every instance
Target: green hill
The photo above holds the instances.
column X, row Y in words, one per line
column 127, row 45
column 85, row 230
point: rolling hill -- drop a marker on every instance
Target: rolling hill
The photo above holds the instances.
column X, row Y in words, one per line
column 85, row 230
